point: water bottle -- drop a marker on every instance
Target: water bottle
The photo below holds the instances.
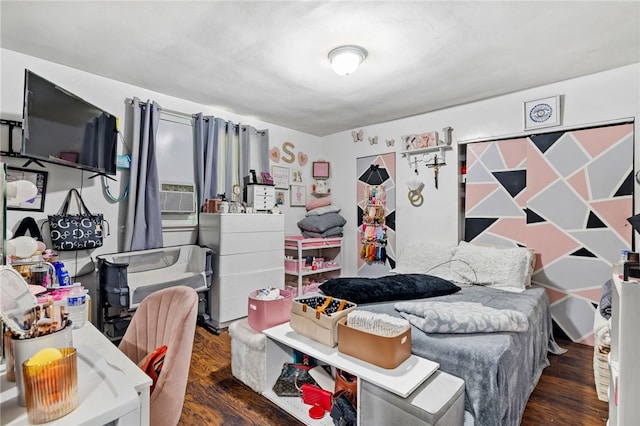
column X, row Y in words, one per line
column 64, row 279
column 77, row 306
column 618, row 268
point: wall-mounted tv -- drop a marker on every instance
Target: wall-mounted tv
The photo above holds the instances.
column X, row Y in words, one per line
column 60, row 127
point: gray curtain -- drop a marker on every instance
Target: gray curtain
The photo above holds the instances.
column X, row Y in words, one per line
column 206, row 150
column 253, row 151
column 224, row 154
column 143, row 225
column 231, row 172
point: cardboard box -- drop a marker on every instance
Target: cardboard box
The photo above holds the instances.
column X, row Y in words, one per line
column 385, row 352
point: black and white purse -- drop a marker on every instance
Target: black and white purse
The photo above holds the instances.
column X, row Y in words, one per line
column 80, row 231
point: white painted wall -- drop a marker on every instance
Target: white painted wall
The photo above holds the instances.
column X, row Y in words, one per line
column 587, row 100
column 110, row 95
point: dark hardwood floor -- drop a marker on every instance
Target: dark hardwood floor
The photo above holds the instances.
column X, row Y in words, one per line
column 565, row 394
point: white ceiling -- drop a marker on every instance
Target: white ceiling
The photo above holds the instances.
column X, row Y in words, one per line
column 268, row 59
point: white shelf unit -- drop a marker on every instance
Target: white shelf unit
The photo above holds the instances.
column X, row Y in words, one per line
column 439, row 149
column 282, row 340
column 624, row 361
column 316, row 247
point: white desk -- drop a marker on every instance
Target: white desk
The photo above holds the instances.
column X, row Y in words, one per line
column 110, row 386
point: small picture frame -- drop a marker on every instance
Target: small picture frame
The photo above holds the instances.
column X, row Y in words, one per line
column 280, row 198
column 296, row 175
column 540, row 113
column 298, row 196
column 37, row 177
column 320, row 170
column 280, row 177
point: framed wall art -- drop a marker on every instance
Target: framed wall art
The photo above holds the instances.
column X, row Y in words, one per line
column 320, row 170
column 543, row 112
column 298, row 196
column 38, row 178
column 296, row 175
column 280, row 177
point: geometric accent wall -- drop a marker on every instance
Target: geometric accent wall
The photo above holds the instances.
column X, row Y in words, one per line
column 565, row 194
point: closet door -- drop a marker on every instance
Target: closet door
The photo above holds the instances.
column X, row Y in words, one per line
column 565, row 194
column 377, row 170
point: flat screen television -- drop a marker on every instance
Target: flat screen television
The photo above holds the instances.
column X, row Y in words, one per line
column 60, row 127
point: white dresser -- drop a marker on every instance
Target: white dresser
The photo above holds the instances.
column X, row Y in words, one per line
column 261, row 197
column 248, row 255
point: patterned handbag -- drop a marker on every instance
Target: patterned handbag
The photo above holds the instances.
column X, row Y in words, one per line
column 290, row 376
column 82, row 231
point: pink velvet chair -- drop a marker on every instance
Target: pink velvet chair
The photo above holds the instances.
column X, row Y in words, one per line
column 166, row 317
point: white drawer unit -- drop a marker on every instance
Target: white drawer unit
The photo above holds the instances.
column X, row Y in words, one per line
column 247, row 255
column 261, row 197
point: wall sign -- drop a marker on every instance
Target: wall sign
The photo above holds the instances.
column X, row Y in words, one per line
column 543, row 112
column 280, row 176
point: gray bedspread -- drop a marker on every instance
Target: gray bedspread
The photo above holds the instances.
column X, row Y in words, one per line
column 500, row 370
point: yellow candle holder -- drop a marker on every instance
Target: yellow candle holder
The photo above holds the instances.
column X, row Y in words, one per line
column 51, row 388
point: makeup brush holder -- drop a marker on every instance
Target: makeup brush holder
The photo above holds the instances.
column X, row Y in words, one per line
column 23, row 349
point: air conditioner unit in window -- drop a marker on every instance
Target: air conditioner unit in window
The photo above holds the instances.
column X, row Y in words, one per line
column 177, row 197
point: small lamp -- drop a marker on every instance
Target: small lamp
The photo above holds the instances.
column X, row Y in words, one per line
column 346, row 59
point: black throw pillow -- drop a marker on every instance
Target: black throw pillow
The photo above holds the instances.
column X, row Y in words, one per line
column 392, row 287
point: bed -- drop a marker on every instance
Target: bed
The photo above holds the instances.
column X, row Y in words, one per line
column 500, row 369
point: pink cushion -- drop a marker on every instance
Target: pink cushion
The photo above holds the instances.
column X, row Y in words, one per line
column 318, row 202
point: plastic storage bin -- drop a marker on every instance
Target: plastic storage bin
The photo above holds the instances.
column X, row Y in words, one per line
column 264, row 314
column 293, row 265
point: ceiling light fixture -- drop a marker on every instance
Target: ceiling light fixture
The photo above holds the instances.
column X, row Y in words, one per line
column 346, row 59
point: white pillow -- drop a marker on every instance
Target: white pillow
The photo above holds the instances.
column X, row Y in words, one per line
column 505, row 268
column 323, row 210
column 426, row 258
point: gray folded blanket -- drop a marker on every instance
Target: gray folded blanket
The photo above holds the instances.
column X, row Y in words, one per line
column 605, row 299
column 461, row 317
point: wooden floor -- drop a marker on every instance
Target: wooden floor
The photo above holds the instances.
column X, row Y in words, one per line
column 565, row 394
